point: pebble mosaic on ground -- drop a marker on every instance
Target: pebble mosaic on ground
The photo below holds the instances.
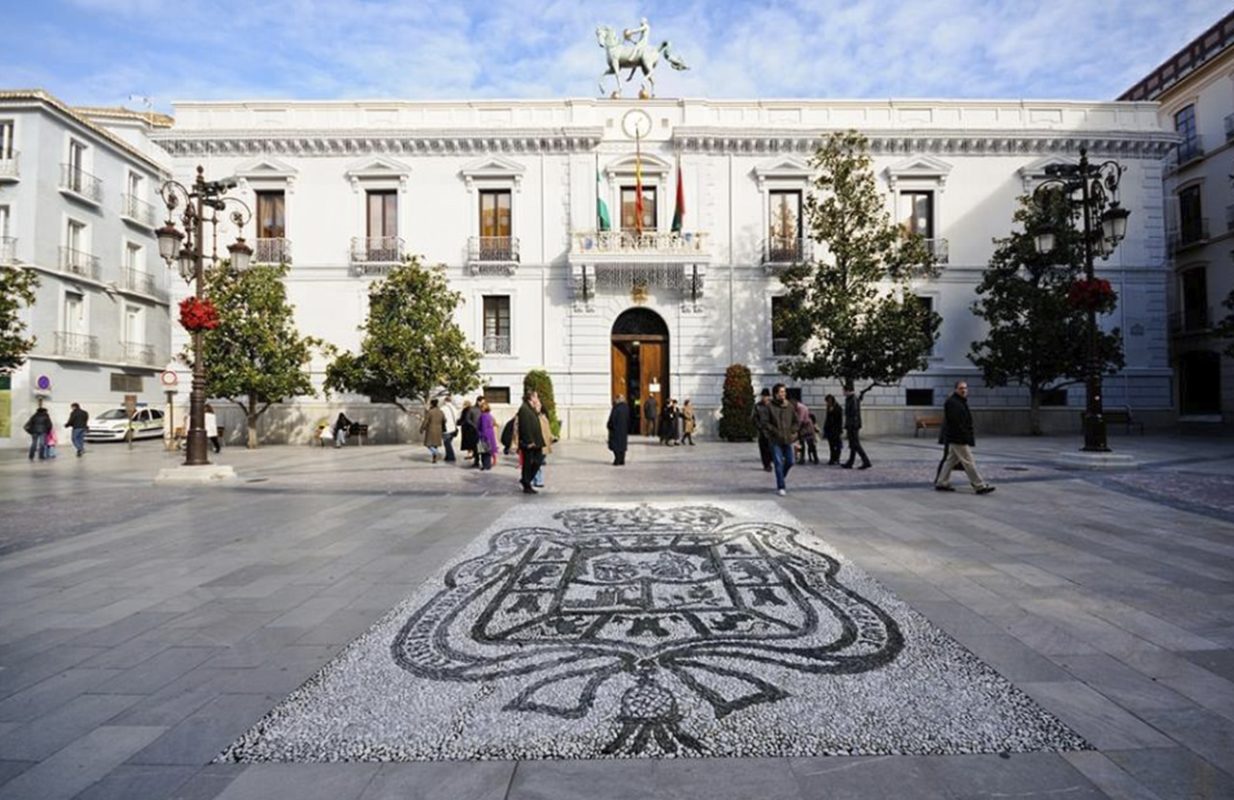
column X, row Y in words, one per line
column 717, row 629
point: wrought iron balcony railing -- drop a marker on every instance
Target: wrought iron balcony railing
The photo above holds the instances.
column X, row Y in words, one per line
column 375, row 255
column 144, row 283
column 79, row 262
column 1188, row 234
column 138, row 354
column 497, row 345
column 787, row 250
column 76, row 345
column 272, row 250
column 938, row 248
column 134, row 209
column 631, row 243
column 499, row 249
column 783, row 347
column 83, row 184
column 1186, row 151
column 8, row 251
column 9, row 166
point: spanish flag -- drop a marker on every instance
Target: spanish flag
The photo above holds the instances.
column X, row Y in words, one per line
column 638, row 186
column 679, row 212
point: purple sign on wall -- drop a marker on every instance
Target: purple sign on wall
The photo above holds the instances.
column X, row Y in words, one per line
column 42, row 383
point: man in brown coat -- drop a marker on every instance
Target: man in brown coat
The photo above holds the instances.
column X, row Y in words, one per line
column 433, row 428
column 783, row 430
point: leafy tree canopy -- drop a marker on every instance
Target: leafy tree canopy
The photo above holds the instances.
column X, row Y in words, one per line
column 17, row 285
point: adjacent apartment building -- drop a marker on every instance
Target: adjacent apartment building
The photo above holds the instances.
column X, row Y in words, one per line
column 1195, row 88
column 77, row 192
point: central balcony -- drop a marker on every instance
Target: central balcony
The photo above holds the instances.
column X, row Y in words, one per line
column 638, row 264
column 276, row 250
column 492, row 254
column 79, row 262
column 81, row 184
column 375, row 255
column 648, row 246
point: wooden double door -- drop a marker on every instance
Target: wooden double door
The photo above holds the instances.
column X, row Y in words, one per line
column 640, row 373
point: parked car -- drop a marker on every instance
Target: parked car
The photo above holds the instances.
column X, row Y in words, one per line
column 113, row 424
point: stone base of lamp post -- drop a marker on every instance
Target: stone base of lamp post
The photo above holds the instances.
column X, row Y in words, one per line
column 207, row 474
column 1107, row 461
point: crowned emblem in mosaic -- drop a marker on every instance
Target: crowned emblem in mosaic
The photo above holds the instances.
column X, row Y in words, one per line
column 648, row 608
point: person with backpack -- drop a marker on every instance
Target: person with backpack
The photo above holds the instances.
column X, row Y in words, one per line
column 38, row 427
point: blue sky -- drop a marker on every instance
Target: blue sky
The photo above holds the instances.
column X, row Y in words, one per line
column 101, row 51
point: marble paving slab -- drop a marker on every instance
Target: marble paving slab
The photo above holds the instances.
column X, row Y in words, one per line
column 666, row 630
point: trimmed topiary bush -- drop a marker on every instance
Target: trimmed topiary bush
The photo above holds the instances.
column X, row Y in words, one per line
column 540, row 381
column 736, row 422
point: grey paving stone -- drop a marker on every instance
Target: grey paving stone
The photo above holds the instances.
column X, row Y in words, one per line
column 125, row 629
column 1014, row 660
column 203, row 734
column 866, row 777
column 10, row 769
column 34, row 670
column 1218, row 662
column 208, row 782
column 475, row 780
column 1130, row 688
column 82, row 763
column 1017, row 775
column 301, row 781
column 1109, row 777
column 1208, row 734
column 1175, row 773
column 156, row 672
column 715, row 779
column 50, row 732
column 1096, row 718
column 50, row 694
column 129, row 782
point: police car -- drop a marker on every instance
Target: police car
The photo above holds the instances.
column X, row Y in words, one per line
column 112, row 425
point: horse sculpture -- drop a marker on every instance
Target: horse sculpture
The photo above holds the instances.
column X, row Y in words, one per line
column 633, row 57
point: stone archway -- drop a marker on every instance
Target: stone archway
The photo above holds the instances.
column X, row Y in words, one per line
column 639, row 364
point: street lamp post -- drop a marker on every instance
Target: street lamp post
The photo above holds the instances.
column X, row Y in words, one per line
column 1091, row 193
column 187, row 248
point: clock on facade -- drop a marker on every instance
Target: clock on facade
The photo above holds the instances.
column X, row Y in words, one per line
column 636, row 124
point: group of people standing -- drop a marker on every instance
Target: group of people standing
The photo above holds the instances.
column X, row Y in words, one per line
column 42, row 432
column 529, row 434
column 675, row 425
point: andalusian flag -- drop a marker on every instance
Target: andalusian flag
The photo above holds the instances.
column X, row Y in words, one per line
column 679, row 212
column 638, row 186
column 603, row 221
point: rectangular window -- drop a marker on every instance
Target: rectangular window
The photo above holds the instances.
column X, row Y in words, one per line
column 916, row 213
column 4, row 222
column 134, row 325
column 135, row 186
column 1195, row 299
column 77, row 164
column 74, row 313
column 784, row 213
column 129, row 384
column 75, row 241
column 928, row 302
column 132, row 257
column 782, row 343
column 382, row 214
column 6, row 139
column 497, row 395
column 497, row 324
column 1190, row 215
column 271, row 222
column 1184, row 123
column 495, row 227
column 918, row 397
column 628, row 197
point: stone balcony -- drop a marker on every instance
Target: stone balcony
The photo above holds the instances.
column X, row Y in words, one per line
column 76, row 345
column 488, row 254
column 137, row 211
column 648, row 247
column 79, row 262
column 80, row 184
column 376, row 255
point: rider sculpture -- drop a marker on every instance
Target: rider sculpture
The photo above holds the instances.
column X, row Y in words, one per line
column 634, row 56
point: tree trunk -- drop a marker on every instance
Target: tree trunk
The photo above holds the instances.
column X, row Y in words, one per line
column 251, row 415
column 1034, row 411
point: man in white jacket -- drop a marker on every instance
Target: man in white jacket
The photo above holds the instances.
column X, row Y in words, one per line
column 447, row 408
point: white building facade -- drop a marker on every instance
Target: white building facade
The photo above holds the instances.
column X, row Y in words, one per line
column 76, row 206
column 504, row 195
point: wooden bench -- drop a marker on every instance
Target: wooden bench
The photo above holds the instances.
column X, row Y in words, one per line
column 357, row 429
column 1121, row 416
column 925, row 423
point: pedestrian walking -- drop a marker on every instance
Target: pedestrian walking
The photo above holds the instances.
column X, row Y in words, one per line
column 809, row 437
column 688, row 422
column 341, row 426
column 649, row 416
column 619, row 430
column 38, row 426
column 546, row 431
column 668, row 422
column 474, row 421
column 469, row 428
column 833, row 427
column 852, row 426
column 783, row 431
column 51, row 442
column 486, row 436
column 530, row 439
column 78, row 423
column 957, row 438
column 212, row 428
column 451, row 417
column 433, row 427
column 762, row 420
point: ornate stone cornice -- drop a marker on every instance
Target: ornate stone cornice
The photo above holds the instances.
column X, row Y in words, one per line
column 309, row 143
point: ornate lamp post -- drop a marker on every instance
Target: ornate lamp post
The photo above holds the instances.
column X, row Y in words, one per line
column 202, row 203
column 1091, row 193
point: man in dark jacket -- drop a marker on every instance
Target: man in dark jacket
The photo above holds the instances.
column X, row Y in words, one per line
column 783, row 430
column 956, row 437
column 79, row 420
column 649, row 416
column 852, row 426
column 619, row 430
column 530, row 439
column 762, row 421
column 38, row 426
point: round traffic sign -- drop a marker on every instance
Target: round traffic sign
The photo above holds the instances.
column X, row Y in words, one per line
column 169, row 378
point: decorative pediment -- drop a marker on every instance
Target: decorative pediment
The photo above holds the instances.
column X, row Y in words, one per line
column 1035, row 172
column 493, row 168
column 266, row 169
column 651, row 165
column 377, row 168
column 924, row 168
column 788, row 168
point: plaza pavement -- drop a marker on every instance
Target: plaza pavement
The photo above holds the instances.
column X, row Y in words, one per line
column 144, row 628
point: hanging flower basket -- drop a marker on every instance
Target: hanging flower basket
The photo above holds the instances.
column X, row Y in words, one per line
column 198, row 315
column 1093, row 295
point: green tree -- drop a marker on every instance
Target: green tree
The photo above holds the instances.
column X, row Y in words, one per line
column 412, row 348
column 1036, row 338
column 542, row 383
column 256, row 357
column 737, row 405
column 17, row 285
column 853, row 314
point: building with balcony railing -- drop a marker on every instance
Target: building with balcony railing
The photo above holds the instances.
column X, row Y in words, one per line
column 272, row 250
column 492, row 253
column 84, row 223
column 782, row 251
column 376, row 255
column 1193, row 89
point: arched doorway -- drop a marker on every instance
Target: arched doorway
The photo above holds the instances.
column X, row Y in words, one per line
column 640, row 363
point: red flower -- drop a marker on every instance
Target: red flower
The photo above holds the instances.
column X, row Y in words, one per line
column 1092, row 295
column 198, row 315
